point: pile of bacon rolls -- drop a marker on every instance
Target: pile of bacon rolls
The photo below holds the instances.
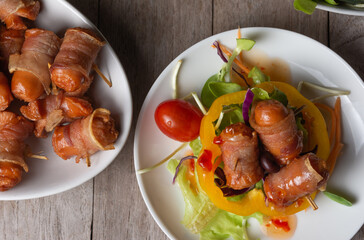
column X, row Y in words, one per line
column 271, row 149
column 50, row 77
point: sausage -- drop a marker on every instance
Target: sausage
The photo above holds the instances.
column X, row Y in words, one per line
column 53, row 110
column 85, row 136
column 32, row 77
column 277, row 129
column 5, row 95
column 26, row 86
column 302, row 176
column 72, row 65
column 10, row 175
column 240, row 154
column 13, row 131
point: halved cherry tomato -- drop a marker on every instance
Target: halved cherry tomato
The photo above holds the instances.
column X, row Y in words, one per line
column 178, row 119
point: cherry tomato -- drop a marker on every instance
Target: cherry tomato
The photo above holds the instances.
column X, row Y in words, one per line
column 178, row 119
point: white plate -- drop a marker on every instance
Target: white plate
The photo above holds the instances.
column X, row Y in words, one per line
column 342, row 9
column 308, row 60
column 57, row 175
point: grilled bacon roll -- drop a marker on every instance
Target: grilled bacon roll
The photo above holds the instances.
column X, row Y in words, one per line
column 12, row 11
column 72, row 66
column 240, row 154
column 52, row 110
column 31, row 77
column 302, row 176
column 5, row 95
column 13, row 131
column 11, row 42
column 277, row 129
column 85, row 136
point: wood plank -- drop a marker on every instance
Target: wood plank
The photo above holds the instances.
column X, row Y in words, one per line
column 146, row 36
column 88, row 8
column 63, row 216
column 229, row 14
column 347, row 40
column 66, row 215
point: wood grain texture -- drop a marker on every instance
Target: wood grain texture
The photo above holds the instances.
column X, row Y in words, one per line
column 229, row 14
column 146, row 35
column 65, row 216
column 347, row 39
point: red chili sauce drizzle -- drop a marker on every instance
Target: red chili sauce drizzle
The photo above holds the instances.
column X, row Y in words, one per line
column 279, row 227
column 205, row 160
column 281, row 224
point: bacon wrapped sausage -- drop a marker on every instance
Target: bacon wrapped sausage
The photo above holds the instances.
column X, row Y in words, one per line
column 302, row 176
column 11, row 42
column 31, row 77
column 277, row 129
column 5, row 95
column 240, row 154
column 13, row 131
column 12, row 11
column 52, row 110
column 85, row 136
column 71, row 68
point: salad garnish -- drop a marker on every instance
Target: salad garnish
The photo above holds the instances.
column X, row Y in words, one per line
column 284, row 139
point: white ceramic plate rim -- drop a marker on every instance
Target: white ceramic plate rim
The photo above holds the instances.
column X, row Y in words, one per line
column 126, row 119
column 355, row 77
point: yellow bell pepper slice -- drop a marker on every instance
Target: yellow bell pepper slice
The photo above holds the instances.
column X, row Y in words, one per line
column 254, row 200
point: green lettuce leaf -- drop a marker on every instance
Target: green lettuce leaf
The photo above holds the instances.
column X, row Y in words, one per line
column 306, row 6
column 225, row 225
column 231, row 117
column 203, row 217
column 279, row 96
column 199, row 210
column 242, row 44
column 228, row 225
column 261, row 94
column 332, row 2
column 214, row 88
column 196, row 146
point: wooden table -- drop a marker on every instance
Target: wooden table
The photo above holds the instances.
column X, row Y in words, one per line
column 147, row 35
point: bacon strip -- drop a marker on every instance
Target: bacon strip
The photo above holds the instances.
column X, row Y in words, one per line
column 240, row 154
column 11, row 12
column 39, row 49
column 53, row 110
column 72, row 66
column 11, row 42
column 13, row 131
column 302, row 176
column 282, row 139
column 85, row 136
